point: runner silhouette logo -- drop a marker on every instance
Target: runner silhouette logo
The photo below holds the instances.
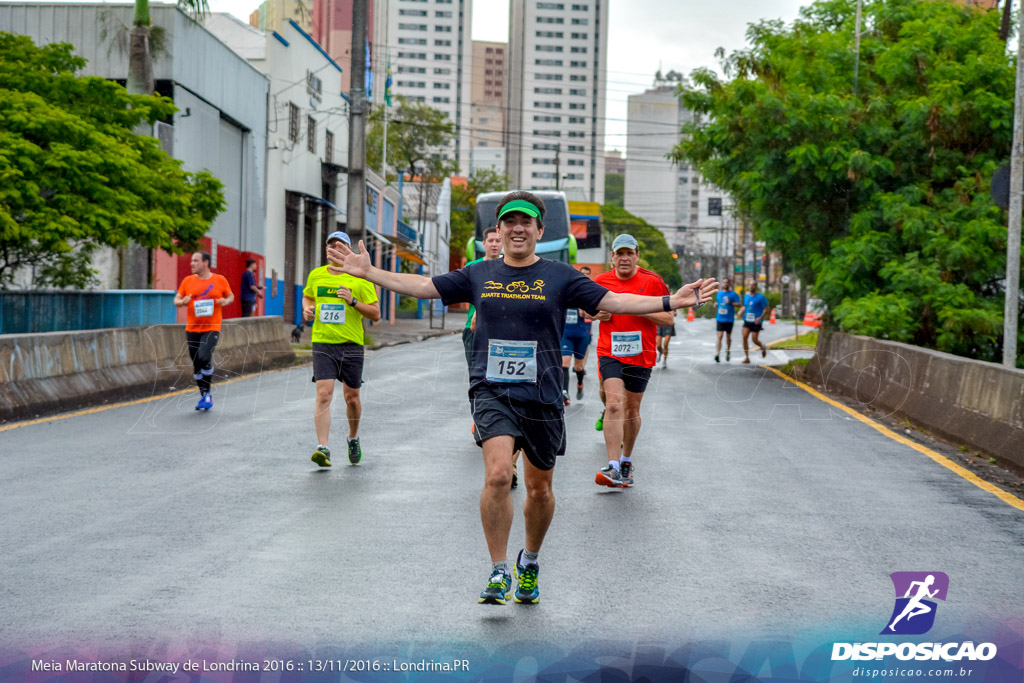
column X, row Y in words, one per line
column 914, row 613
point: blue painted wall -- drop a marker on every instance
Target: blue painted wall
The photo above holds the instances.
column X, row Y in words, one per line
column 25, row 312
column 297, row 313
column 273, row 305
column 388, row 218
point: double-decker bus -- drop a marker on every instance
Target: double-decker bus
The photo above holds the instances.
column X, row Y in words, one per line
column 557, row 244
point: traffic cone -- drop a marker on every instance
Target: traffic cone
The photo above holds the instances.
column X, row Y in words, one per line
column 690, row 317
column 771, row 320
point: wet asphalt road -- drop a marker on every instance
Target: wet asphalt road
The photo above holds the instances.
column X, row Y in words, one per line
column 758, row 509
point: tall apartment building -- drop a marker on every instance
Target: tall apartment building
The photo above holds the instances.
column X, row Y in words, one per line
column 487, row 106
column 430, row 49
column 671, row 197
column 556, row 95
column 272, row 14
column 614, row 164
column 332, row 30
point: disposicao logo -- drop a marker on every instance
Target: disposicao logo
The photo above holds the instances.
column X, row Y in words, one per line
column 914, row 615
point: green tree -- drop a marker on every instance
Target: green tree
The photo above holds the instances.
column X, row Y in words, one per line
column 655, row 253
column 73, row 175
column 464, row 203
column 416, row 135
column 614, row 189
column 879, row 197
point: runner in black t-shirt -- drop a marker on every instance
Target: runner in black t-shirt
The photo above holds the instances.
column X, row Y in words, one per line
column 516, row 375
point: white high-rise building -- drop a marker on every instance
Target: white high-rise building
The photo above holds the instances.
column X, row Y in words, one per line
column 430, row 49
column 487, row 108
column 672, row 197
column 556, row 91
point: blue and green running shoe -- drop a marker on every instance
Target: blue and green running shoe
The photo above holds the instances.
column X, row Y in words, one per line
column 526, row 582
column 499, row 588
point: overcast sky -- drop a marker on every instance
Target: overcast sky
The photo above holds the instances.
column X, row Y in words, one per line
column 643, row 35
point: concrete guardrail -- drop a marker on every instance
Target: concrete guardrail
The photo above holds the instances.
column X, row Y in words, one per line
column 52, row 372
column 969, row 402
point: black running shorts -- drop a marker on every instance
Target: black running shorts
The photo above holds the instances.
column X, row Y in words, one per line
column 724, row 326
column 633, row 376
column 753, row 327
column 666, row 330
column 538, row 428
column 343, row 362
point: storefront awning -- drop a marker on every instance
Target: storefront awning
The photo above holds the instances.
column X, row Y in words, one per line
column 402, row 248
column 318, row 200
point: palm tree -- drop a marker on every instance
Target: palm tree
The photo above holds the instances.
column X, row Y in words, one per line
column 140, row 61
column 133, row 258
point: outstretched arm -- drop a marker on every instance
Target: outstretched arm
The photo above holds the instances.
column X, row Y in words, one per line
column 344, row 260
column 692, row 294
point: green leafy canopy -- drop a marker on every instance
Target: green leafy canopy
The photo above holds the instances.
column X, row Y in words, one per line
column 880, row 197
column 73, row 175
column 417, row 136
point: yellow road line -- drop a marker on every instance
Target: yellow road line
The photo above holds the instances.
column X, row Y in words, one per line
column 100, row 409
column 999, row 493
column 784, row 339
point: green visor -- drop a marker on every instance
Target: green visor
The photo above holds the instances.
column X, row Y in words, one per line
column 520, row 205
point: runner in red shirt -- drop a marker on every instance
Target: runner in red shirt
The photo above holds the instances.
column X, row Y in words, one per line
column 205, row 293
column 625, row 355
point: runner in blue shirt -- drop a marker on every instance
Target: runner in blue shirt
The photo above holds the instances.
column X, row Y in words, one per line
column 754, row 306
column 727, row 302
column 575, row 342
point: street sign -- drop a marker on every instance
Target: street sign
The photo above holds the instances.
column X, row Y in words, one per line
column 785, row 279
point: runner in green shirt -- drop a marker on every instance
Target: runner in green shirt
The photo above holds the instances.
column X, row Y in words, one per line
column 337, row 305
column 492, row 250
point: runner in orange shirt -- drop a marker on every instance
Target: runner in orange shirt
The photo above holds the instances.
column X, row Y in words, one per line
column 625, row 356
column 206, row 294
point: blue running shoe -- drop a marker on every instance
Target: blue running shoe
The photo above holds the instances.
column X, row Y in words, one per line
column 527, row 591
column 499, row 588
column 205, row 403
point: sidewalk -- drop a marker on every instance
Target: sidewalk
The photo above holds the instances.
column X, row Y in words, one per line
column 404, row 331
column 408, row 330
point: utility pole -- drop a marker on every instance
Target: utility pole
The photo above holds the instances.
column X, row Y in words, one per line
column 356, row 208
column 1013, row 228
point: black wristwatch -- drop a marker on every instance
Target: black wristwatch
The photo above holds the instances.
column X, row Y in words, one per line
column 666, row 303
column 354, row 302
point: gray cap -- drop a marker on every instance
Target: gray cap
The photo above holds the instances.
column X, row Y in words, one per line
column 623, row 241
column 339, row 235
